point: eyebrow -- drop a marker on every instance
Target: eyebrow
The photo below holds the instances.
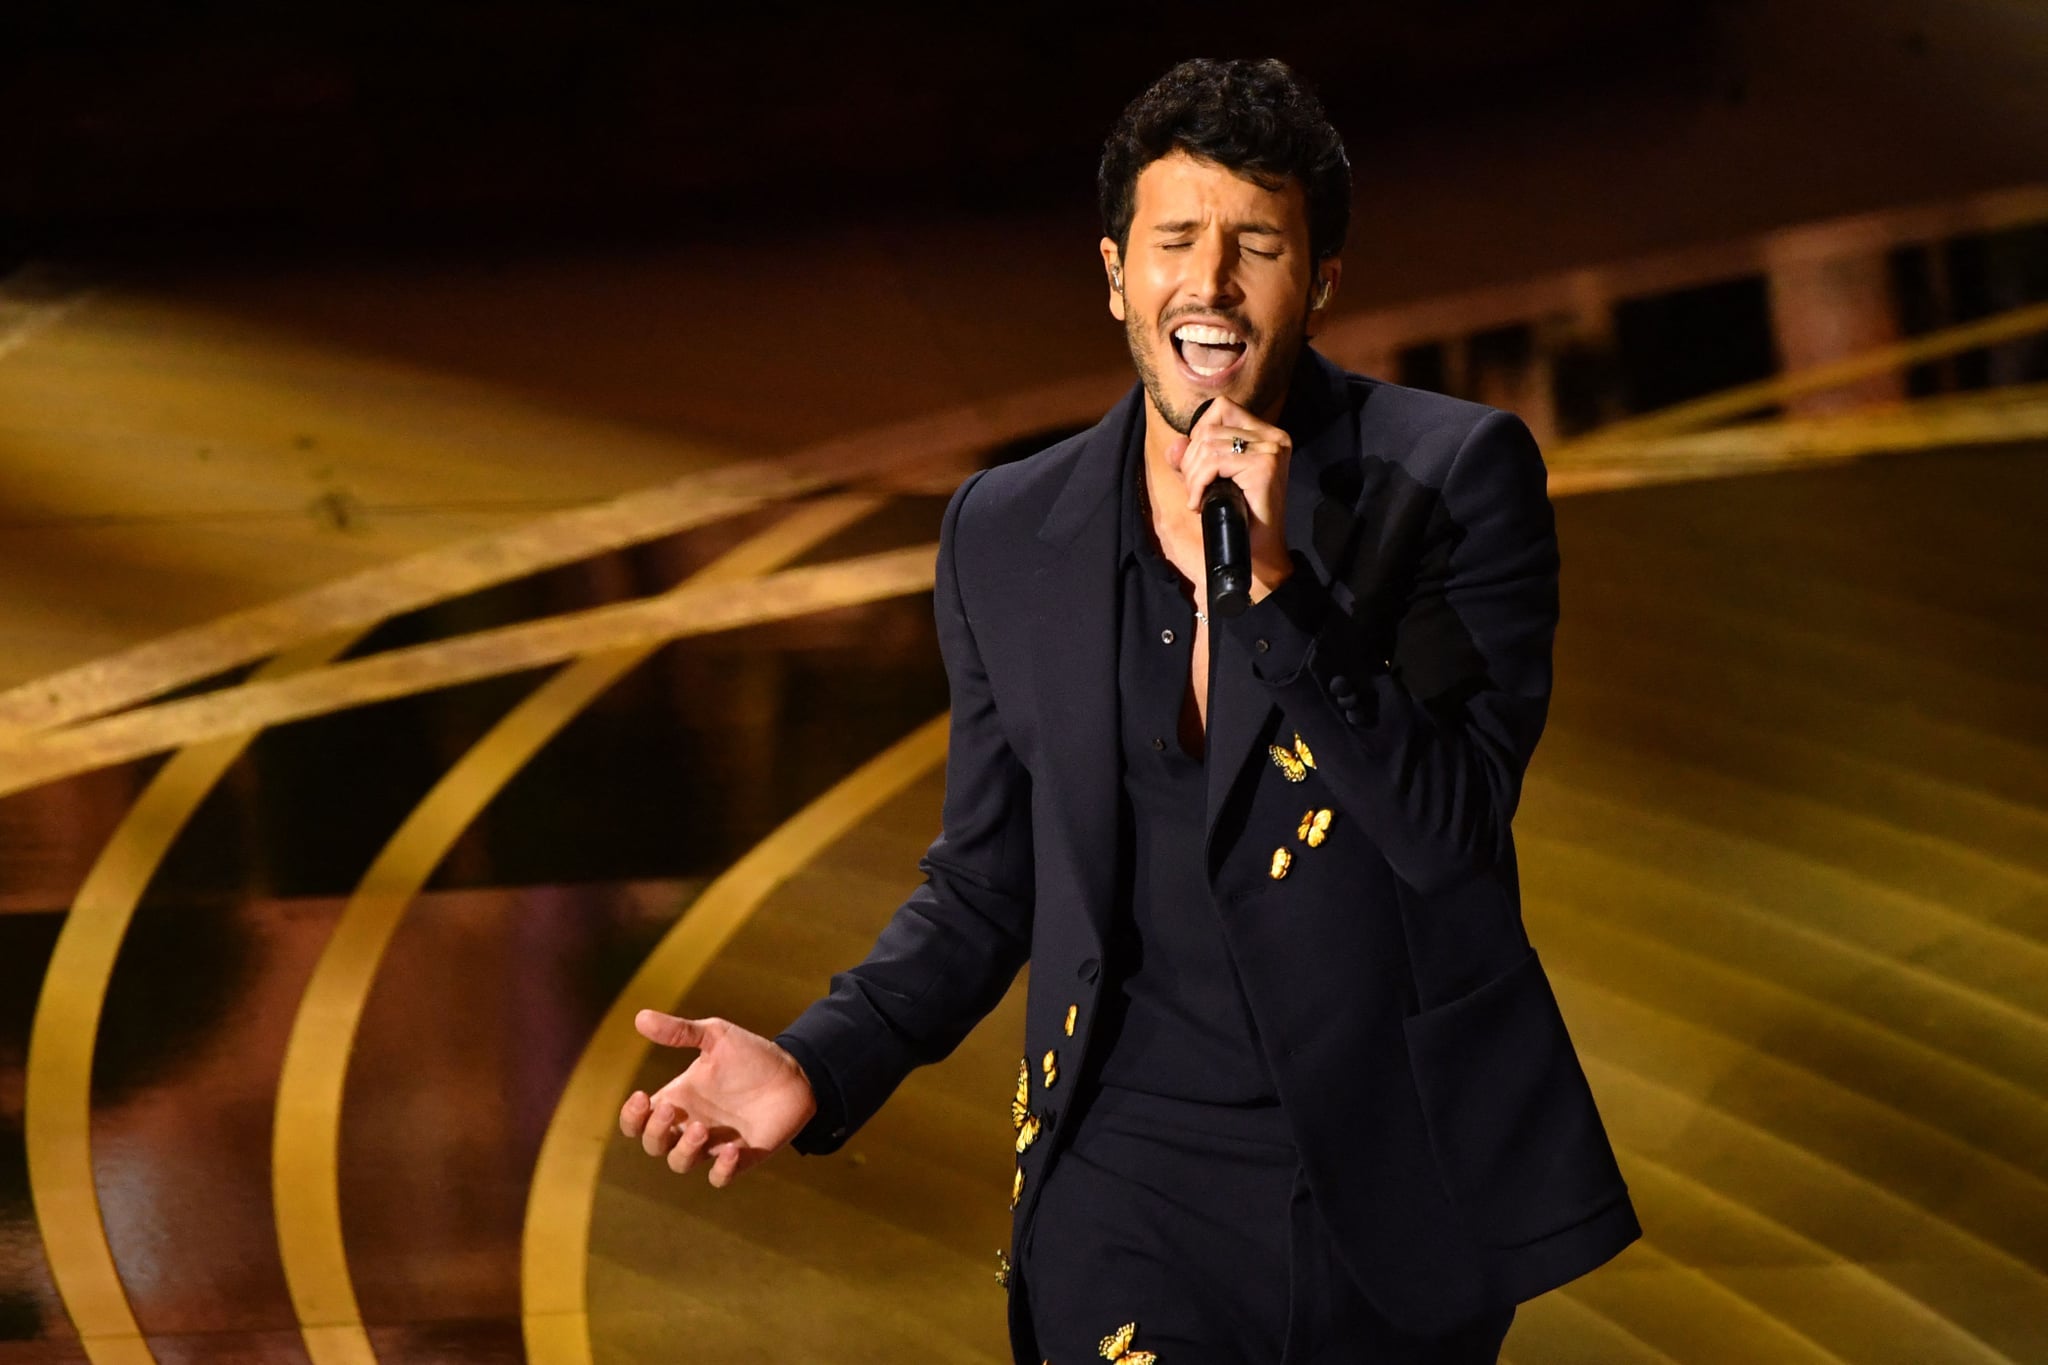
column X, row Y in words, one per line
column 1190, row 224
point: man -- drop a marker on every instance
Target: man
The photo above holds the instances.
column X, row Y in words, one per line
column 1295, row 1086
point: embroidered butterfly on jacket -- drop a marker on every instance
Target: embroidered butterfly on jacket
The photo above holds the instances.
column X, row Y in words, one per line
column 1293, row 765
column 1116, row 1347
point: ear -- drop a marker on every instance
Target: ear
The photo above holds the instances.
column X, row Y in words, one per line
column 1322, row 292
column 1111, row 264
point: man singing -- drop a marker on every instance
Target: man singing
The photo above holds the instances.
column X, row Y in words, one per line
column 1295, row 1087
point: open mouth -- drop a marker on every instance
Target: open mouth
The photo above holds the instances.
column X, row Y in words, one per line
column 1207, row 351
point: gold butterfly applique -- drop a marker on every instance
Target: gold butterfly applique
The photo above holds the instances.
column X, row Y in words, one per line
column 1027, row 1133
column 1116, row 1347
column 1315, row 827
column 1020, row 1103
column 1293, row 765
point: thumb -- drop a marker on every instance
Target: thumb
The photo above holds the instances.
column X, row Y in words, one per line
column 668, row 1029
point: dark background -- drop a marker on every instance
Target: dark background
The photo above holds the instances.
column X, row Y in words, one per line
column 149, row 128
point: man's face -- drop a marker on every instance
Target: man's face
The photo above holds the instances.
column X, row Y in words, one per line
column 1216, row 287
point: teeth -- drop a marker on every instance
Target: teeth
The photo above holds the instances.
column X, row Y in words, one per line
column 1207, row 336
column 1206, row 373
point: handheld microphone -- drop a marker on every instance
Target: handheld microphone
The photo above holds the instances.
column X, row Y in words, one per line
column 1226, row 540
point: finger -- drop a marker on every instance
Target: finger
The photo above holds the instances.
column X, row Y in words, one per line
column 660, row 1133
column 688, row 1147
column 634, row 1112
column 726, row 1164
column 669, row 1030
column 1253, row 437
column 1176, row 451
column 1199, row 470
column 1234, row 420
column 1230, row 413
column 1259, row 457
column 1254, row 480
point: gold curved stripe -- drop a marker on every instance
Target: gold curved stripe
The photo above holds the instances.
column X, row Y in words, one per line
column 360, row 600
column 1713, row 1320
column 1994, row 417
column 938, row 443
column 1869, row 903
column 1557, row 1320
column 1731, row 1214
column 1768, row 924
column 1747, row 398
column 305, row 1146
column 57, row 1110
column 555, row 1251
column 694, row 608
column 1917, row 1222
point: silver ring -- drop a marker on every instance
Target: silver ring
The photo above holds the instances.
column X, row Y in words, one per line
column 1237, row 445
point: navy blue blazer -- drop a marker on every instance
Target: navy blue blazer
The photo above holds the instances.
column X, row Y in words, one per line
column 1443, row 1119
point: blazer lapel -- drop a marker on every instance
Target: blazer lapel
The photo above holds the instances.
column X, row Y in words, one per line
column 1074, row 605
column 1320, row 524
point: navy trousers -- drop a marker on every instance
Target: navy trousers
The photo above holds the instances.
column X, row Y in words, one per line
column 1194, row 1222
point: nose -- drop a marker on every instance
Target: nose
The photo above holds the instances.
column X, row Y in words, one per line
column 1212, row 271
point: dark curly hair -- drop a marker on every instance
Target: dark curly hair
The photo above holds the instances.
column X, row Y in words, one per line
column 1252, row 117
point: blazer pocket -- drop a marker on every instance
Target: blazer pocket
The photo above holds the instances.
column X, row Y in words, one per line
column 1518, row 1138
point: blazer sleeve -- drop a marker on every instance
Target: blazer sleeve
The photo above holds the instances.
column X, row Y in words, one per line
column 1430, row 746
column 951, row 950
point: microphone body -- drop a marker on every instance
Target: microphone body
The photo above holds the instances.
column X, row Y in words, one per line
column 1226, row 541
column 1227, row 547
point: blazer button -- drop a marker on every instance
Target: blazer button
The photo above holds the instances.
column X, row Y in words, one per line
column 1340, row 686
column 1088, row 970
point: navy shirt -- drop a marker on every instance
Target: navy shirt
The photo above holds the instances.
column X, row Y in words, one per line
column 1174, row 1019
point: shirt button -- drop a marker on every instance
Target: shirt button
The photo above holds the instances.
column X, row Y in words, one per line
column 1159, row 746
column 1261, row 646
column 1166, row 636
